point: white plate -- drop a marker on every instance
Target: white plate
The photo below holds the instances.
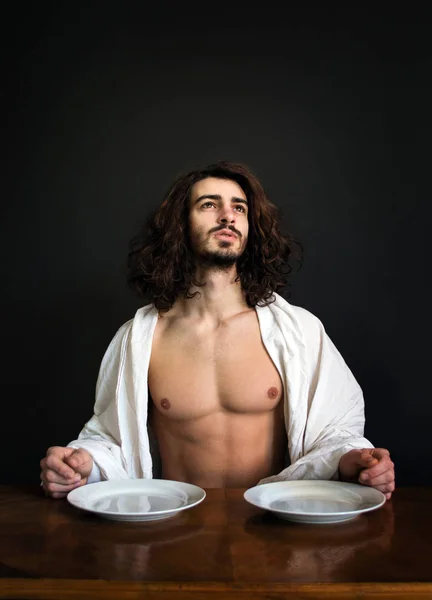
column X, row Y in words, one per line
column 136, row 499
column 315, row 501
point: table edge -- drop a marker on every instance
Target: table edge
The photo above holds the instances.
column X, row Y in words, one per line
column 49, row 588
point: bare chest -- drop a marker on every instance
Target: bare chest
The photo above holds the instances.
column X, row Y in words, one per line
column 196, row 374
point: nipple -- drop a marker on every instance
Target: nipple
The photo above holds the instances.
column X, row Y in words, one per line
column 165, row 403
column 273, row 393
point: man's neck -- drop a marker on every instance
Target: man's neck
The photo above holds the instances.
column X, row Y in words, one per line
column 219, row 299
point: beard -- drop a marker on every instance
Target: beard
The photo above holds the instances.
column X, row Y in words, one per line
column 220, row 259
column 217, row 259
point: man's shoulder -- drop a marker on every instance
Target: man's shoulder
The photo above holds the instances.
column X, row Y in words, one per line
column 147, row 312
column 142, row 318
column 300, row 325
column 299, row 315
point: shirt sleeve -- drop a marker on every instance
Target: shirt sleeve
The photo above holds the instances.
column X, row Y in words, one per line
column 101, row 435
column 335, row 409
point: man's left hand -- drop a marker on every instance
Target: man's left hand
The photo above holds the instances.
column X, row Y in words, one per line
column 369, row 466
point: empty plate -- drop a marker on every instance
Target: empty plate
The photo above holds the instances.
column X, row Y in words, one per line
column 315, row 501
column 136, row 499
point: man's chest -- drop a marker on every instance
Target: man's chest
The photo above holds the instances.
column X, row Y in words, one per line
column 193, row 375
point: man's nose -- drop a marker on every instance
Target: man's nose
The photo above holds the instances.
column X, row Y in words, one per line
column 227, row 216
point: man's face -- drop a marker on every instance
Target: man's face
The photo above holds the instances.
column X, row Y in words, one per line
column 218, row 221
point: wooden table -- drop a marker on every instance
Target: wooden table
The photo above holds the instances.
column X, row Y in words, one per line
column 222, row 548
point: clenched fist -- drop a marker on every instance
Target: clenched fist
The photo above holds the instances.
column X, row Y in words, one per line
column 369, row 466
column 64, row 469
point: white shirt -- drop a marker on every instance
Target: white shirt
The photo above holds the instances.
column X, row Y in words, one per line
column 323, row 403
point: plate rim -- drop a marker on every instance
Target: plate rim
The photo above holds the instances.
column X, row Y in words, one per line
column 353, row 513
column 70, row 497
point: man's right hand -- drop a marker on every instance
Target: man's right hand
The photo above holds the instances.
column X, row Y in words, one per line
column 64, row 469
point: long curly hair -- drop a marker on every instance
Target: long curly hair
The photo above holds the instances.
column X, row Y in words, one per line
column 161, row 265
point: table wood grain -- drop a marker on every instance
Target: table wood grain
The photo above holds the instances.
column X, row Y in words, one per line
column 222, row 548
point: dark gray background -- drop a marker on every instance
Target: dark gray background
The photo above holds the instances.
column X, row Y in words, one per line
column 104, row 106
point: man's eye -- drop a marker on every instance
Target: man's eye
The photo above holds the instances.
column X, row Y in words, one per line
column 207, row 204
column 241, row 208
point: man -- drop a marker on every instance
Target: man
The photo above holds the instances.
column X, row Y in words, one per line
column 219, row 381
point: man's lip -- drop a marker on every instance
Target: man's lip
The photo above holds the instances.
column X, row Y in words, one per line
column 226, row 233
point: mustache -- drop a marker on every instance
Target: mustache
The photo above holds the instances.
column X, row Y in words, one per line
column 222, row 227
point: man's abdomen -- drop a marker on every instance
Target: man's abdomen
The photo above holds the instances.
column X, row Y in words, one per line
column 222, row 449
